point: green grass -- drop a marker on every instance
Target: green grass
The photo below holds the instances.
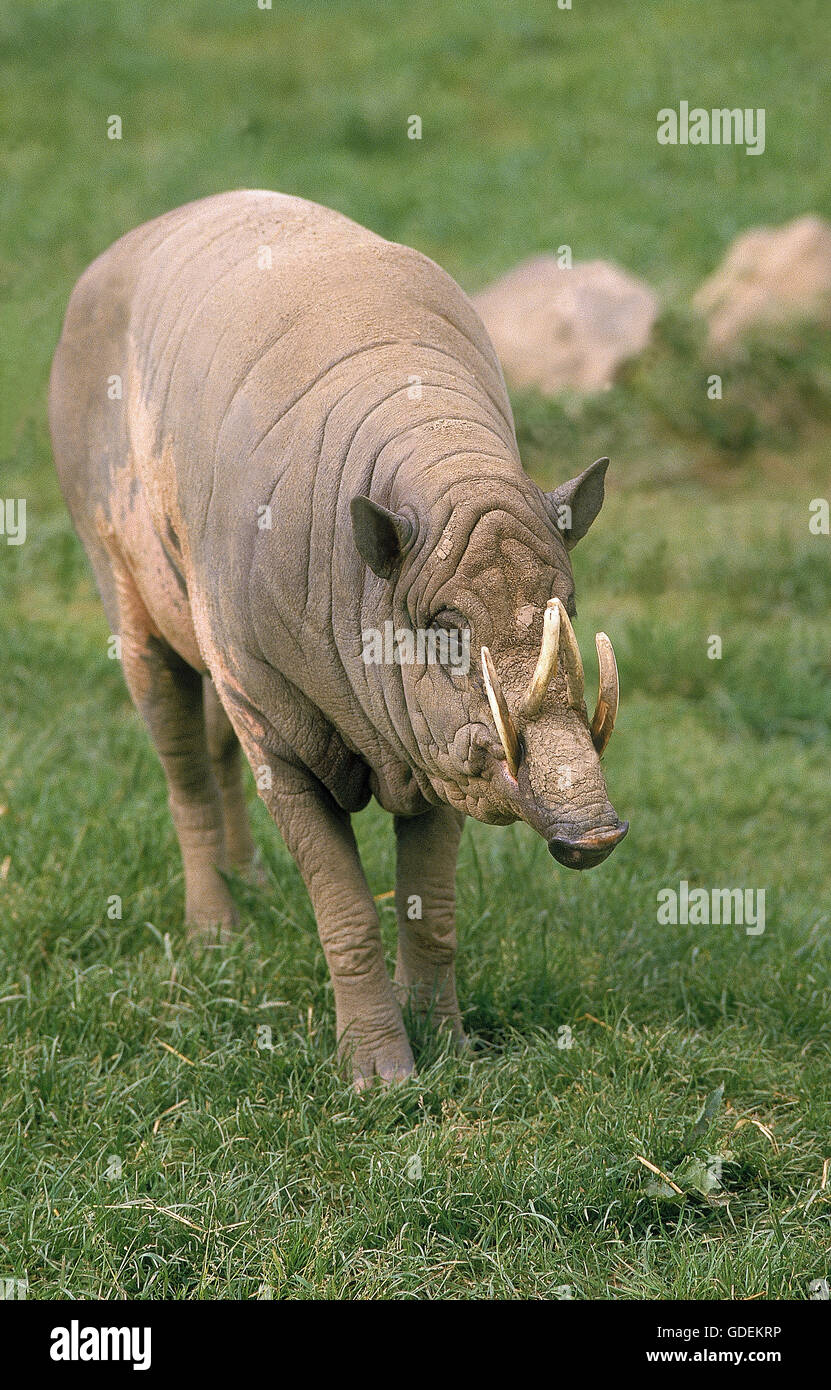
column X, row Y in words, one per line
column 248, row 1172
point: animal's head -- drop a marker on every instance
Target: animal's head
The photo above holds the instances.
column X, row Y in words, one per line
column 487, row 670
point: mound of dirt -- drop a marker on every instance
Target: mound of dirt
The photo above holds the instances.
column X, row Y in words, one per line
column 769, row 276
column 555, row 327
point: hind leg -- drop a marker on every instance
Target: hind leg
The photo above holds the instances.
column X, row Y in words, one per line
column 168, row 694
column 226, row 760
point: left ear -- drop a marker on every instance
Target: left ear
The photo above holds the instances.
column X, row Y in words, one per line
column 381, row 537
column 575, row 504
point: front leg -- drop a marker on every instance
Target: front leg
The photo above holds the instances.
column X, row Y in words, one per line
column 319, row 836
column 370, row 1029
column 425, row 900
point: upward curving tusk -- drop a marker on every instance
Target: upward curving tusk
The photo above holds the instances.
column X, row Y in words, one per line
column 572, row 660
column 546, row 668
column 608, row 694
column 501, row 713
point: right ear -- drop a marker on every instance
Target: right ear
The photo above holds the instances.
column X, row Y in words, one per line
column 381, row 537
column 575, row 504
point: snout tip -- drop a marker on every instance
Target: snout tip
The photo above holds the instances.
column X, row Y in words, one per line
column 588, row 850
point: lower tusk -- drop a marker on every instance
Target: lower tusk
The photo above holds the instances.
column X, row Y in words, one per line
column 501, row 713
column 608, row 694
column 546, row 668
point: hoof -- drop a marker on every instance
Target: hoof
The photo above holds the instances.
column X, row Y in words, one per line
column 388, row 1072
column 212, row 926
column 202, row 936
column 254, row 872
column 387, row 1064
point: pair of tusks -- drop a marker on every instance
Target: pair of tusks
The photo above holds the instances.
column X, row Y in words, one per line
column 557, row 633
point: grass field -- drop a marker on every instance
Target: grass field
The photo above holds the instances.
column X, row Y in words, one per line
column 152, row 1143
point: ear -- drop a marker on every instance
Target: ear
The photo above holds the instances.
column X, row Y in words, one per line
column 575, row 504
column 381, row 537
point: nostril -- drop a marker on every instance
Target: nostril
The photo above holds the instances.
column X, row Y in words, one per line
column 587, row 850
column 593, row 839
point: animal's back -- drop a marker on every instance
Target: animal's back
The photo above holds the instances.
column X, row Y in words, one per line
column 231, row 327
column 160, row 299
column 158, row 333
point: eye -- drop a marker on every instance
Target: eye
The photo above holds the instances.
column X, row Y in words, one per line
column 447, row 618
column 448, row 643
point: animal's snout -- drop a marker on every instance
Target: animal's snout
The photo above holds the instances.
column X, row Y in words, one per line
column 588, row 850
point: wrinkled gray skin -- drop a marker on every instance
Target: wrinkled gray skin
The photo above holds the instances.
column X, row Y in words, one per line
column 258, row 401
